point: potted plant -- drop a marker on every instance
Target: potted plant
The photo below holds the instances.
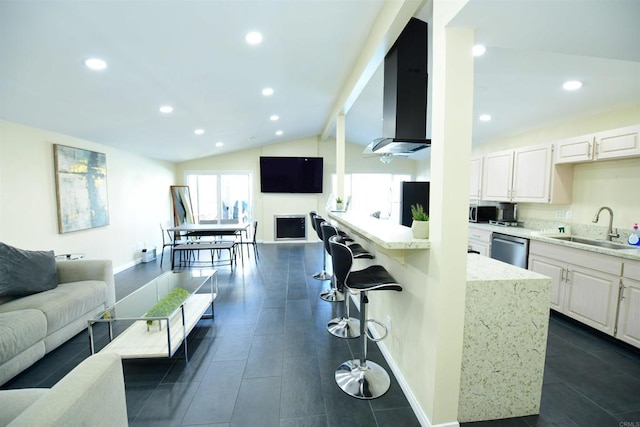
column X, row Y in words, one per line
column 420, row 224
column 339, row 205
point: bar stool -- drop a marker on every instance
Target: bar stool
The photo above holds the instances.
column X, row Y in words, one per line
column 345, row 326
column 315, row 222
column 362, row 378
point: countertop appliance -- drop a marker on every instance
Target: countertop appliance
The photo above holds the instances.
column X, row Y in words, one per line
column 507, row 212
column 510, row 249
column 482, row 213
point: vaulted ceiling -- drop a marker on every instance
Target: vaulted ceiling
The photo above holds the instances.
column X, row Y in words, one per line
column 193, row 56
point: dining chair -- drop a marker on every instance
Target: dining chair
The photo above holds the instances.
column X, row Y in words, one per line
column 169, row 241
column 252, row 241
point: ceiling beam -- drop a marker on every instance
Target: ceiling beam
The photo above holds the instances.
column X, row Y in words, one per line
column 389, row 23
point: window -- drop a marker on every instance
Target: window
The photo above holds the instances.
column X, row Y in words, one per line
column 372, row 192
column 220, row 196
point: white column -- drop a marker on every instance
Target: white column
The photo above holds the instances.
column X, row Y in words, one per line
column 451, row 113
column 340, row 155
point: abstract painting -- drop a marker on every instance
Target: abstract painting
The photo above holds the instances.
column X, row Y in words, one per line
column 81, row 188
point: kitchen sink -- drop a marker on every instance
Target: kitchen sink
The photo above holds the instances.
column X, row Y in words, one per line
column 598, row 243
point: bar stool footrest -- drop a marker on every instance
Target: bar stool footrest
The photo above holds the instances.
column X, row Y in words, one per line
column 371, row 338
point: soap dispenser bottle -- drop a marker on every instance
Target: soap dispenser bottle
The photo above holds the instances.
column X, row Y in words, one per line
column 633, row 239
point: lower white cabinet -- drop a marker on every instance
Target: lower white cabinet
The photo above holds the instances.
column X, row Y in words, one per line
column 480, row 240
column 629, row 314
column 585, row 285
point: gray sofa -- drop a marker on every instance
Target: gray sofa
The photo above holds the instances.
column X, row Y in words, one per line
column 32, row 326
column 92, row 394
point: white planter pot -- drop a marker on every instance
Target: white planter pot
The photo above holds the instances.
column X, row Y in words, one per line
column 420, row 229
column 339, row 206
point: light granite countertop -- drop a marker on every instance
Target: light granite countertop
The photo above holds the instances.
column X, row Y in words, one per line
column 382, row 232
column 482, row 268
column 630, row 253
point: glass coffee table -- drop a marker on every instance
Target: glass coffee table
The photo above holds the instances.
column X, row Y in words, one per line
column 133, row 336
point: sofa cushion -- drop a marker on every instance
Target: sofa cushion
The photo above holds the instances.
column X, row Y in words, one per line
column 19, row 330
column 64, row 304
column 25, row 272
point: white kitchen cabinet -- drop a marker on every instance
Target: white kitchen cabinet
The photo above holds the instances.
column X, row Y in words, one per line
column 585, row 285
column 531, row 174
column 525, row 174
column 611, row 144
column 480, row 240
column 554, row 269
column 475, row 184
column 497, row 176
column 628, row 329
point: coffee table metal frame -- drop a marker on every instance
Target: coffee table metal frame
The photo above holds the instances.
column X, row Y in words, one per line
column 167, row 333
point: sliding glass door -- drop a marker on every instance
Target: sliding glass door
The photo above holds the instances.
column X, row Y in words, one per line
column 220, row 196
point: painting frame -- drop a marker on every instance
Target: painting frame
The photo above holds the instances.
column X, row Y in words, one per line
column 81, row 188
column 182, row 207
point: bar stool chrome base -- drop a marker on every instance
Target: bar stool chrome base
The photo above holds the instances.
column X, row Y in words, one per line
column 332, row 295
column 343, row 327
column 363, row 382
column 323, row 275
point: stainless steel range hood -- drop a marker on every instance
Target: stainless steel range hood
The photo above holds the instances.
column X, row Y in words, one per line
column 404, row 124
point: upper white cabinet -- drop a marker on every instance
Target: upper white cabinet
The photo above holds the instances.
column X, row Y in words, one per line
column 497, row 176
column 611, row 144
column 475, row 184
column 525, row 174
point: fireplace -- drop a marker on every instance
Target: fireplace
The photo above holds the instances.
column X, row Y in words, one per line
column 290, row 227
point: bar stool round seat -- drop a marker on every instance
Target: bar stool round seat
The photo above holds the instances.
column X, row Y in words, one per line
column 344, row 326
column 362, row 378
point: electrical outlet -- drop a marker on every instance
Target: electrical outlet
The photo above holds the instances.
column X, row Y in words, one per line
column 388, row 323
column 568, row 215
column 560, row 214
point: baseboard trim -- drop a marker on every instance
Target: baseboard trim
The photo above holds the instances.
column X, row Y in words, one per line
column 417, row 409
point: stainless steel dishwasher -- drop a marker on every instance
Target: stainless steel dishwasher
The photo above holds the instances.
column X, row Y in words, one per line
column 510, row 249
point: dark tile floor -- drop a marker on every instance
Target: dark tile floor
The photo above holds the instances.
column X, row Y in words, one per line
column 267, row 360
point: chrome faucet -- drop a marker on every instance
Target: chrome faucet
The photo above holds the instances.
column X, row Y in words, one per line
column 610, row 232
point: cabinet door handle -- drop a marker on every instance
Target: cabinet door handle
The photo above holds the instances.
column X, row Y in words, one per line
column 622, row 288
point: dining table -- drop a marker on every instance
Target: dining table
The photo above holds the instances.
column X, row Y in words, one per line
column 211, row 229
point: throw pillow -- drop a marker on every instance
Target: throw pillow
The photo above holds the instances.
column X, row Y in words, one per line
column 25, row 272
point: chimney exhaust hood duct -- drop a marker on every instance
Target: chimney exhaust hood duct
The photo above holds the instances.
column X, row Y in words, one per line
column 404, row 123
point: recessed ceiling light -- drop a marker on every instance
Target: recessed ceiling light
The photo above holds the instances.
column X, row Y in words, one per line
column 572, row 85
column 253, row 37
column 478, row 50
column 95, row 64
column 274, row 118
column 267, row 91
column 484, row 117
column 279, row 132
column 219, row 144
column 166, row 109
column 198, row 131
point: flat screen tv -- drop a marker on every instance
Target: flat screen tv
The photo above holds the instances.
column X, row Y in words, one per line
column 291, row 174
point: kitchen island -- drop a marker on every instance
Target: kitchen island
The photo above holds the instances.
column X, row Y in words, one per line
column 505, row 327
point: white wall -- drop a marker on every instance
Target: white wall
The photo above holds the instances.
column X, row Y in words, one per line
column 138, row 191
column 614, row 183
column 265, row 206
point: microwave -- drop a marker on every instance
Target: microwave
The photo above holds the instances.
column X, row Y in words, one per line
column 482, row 213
